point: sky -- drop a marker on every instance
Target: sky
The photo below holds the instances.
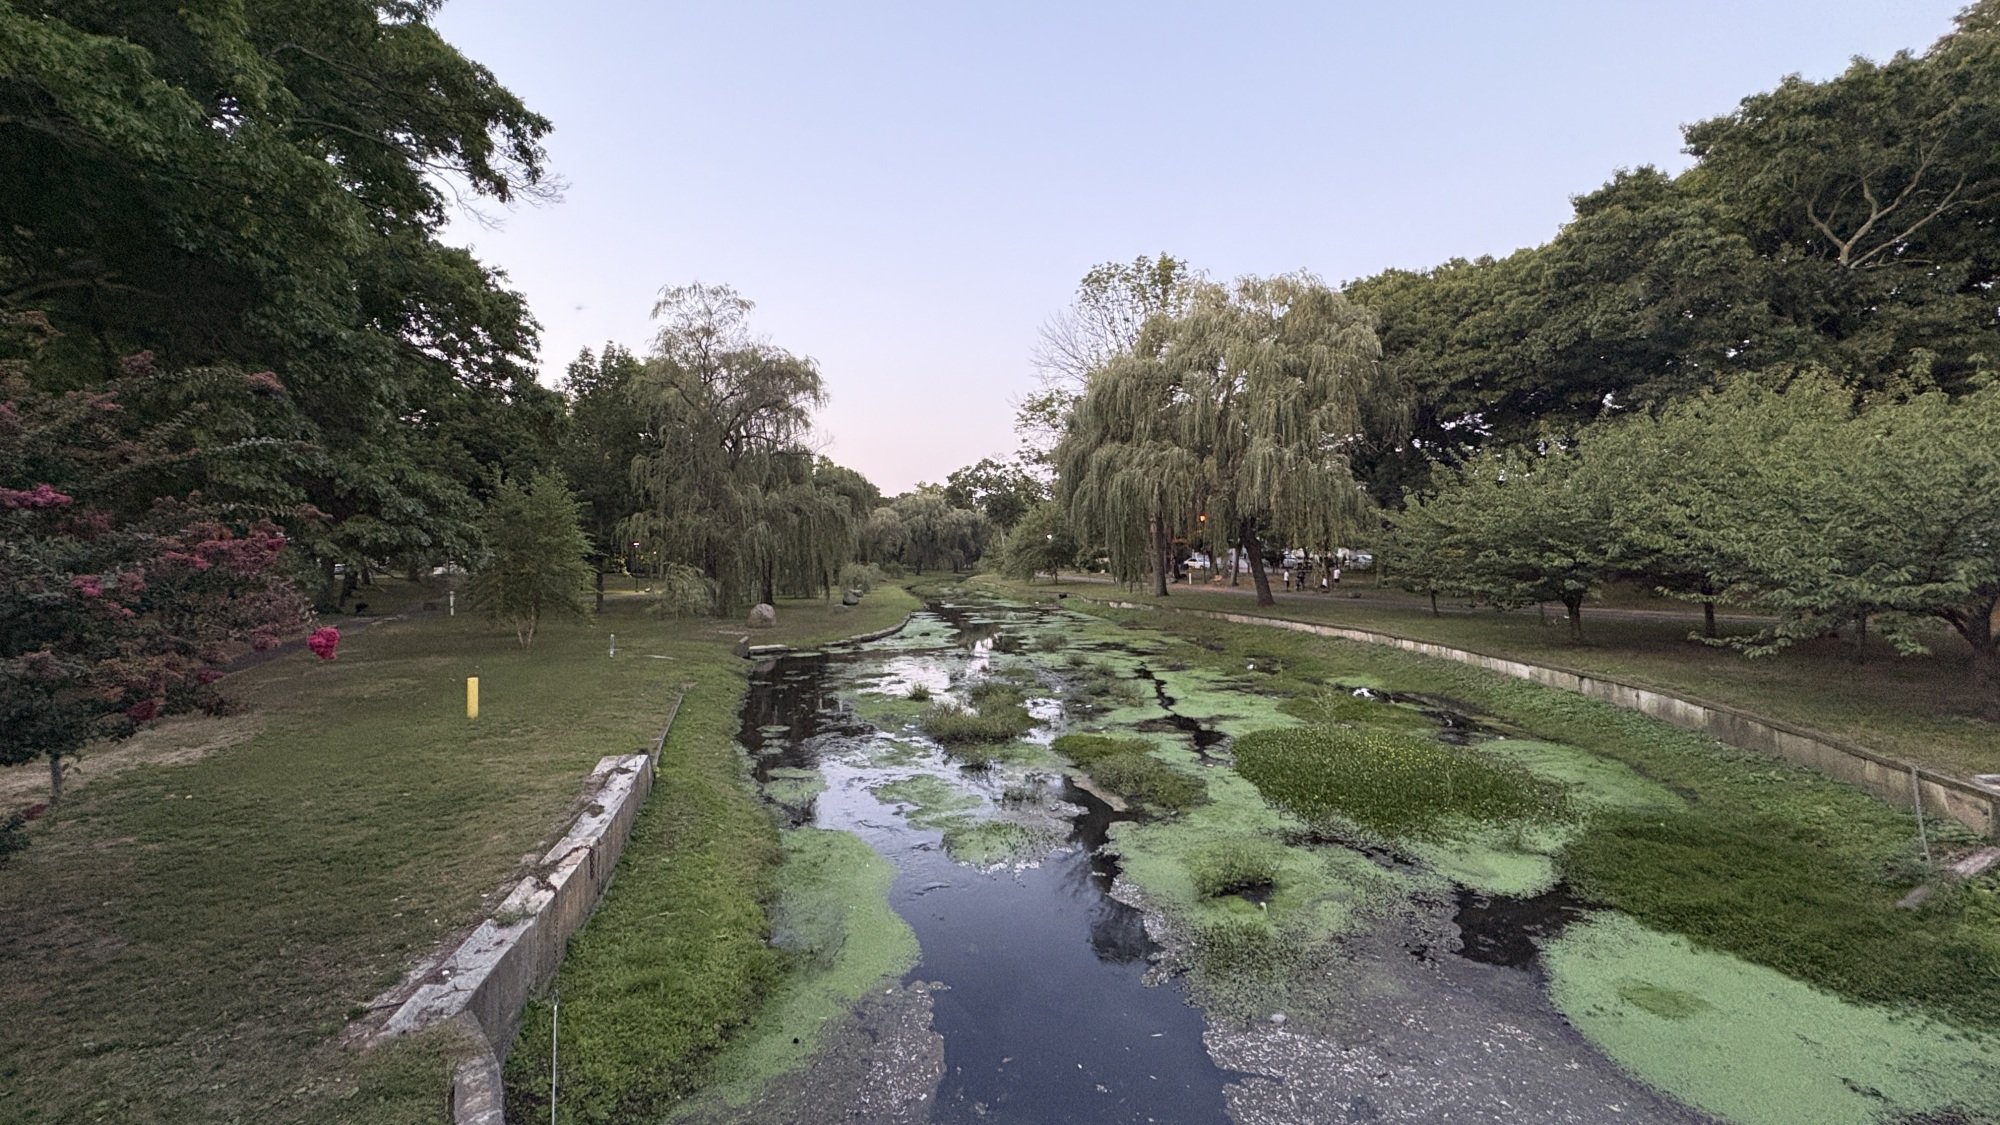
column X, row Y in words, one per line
column 908, row 191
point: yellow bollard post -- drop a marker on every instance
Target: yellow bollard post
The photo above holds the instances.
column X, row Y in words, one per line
column 472, row 697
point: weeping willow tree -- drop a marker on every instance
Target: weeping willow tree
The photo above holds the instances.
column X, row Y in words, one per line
column 727, row 477
column 1122, row 473
column 1238, row 412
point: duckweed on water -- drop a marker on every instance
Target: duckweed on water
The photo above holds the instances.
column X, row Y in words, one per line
column 789, row 785
column 969, row 833
column 1390, row 783
column 1718, row 874
column 835, row 927
column 1754, row 1046
column 933, row 802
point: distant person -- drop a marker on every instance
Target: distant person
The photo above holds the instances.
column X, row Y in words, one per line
column 1336, row 576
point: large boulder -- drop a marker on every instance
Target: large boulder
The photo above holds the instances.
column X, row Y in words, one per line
column 850, row 597
column 763, row 616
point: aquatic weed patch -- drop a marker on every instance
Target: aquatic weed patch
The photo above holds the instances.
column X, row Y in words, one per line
column 1127, row 767
column 952, row 725
column 839, row 938
column 1389, row 783
column 1718, row 875
column 1754, row 1046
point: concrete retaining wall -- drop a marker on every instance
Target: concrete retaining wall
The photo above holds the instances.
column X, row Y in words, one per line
column 1892, row 780
column 492, row 973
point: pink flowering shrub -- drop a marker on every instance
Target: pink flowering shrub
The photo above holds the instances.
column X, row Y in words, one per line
column 39, row 498
column 323, row 642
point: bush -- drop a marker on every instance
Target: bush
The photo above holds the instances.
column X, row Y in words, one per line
column 1389, row 783
column 919, row 693
column 861, row 577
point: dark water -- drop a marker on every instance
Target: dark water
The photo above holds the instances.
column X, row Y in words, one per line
column 1043, row 1013
column 1045, row 1017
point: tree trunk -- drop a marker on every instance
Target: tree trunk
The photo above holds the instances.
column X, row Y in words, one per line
column 600, row 589
column 1708, row 618
column 1236, row 566
column 1861, row 639
column 1573, row 603
column 1162, row 556
column 1986, row 679
column 1434, row 604
column 1254, row 547
column 768, row 587
column 55, row 778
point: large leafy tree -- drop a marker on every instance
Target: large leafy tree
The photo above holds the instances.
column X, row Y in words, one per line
column 1004, row 490
column 727, row 477
column 1511, row 528
column 1830, row 510
column 263, row 183
column 1245, row 409
column 604, row 442
column 1112, row 303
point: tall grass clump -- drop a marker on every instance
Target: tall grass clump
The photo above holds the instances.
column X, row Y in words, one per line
column 1393, row 784
column 998, row 721
column 1126, row 766
column 1233, row 867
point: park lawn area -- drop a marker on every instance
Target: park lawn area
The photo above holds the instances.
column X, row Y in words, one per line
column 1921, row 709
column 187, row 940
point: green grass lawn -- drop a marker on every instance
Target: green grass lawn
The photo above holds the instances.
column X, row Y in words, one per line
column 675, row 963
column 188, row 939
column 1920, row 709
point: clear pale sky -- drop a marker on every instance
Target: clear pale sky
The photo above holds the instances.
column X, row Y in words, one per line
column 908, row 190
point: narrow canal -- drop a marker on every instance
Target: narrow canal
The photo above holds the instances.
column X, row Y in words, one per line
column 1042, row 997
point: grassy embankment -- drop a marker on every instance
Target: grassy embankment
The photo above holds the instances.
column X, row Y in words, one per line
column 1921, row 709
column 676, row 963
column 187, row 939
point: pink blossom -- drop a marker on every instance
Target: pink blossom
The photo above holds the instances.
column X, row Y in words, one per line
column 89, row 585
column 323, row 642
column 132, row 582
column 40, row 497
column 144, row 709
column 207, row 676
column 265, row 382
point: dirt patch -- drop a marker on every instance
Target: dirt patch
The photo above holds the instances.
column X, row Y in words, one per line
column 171, row 743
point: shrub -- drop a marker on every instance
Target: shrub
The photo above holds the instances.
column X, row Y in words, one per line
column 919, row 693
column 861, row 577
column 1393, row 784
